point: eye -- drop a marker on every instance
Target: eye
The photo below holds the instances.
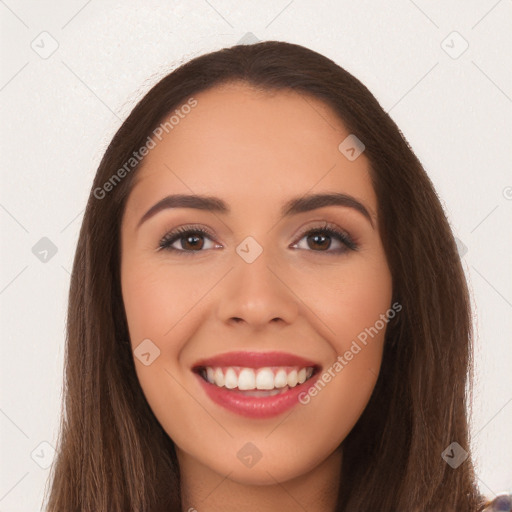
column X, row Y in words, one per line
column 320, row 239
column 187, row 239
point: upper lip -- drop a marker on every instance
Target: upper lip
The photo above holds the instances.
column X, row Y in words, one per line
column 248, row 359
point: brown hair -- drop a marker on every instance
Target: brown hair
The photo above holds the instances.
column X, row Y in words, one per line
column 113, row 454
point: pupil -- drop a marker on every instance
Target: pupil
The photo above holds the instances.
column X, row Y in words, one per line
column 192, row 240
column 319, row 239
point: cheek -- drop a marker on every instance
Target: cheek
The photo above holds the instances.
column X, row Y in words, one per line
column 155, row 297
column 145, row 301
column 164, row 306
column 349, row 298
column 156, row 301
column 354, row 305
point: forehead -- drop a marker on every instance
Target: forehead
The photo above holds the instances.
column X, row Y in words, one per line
column 248, row 145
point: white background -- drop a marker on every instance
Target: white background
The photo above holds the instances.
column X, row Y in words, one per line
column 59, row 113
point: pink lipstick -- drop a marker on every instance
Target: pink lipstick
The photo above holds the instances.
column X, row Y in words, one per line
column 256, row 384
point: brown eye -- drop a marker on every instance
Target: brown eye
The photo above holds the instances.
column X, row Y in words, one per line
column 322, row 239
column 319, row 241
column 186, row 240
column 192, row 242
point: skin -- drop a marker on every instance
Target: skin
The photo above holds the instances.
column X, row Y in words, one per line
column 255, row 150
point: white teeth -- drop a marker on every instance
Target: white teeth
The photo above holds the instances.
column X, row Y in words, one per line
column 230, row 379
column 247, row 379
column 281, row 379
column 219, row 377
column 292, row 378
column 265, row 379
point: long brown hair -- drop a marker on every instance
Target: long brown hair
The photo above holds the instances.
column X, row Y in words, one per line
column 113, row 454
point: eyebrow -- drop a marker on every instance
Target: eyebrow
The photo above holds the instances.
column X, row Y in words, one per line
column 292, row 207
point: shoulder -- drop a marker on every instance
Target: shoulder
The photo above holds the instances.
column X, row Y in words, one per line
column 501, row 503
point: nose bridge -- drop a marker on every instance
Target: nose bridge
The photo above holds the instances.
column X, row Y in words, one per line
column 255, row 292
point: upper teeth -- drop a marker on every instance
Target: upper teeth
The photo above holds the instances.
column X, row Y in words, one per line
column 257, row 378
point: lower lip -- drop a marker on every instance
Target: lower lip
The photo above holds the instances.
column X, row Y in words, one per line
column 256, row 407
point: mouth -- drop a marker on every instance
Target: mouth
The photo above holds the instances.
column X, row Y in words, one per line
column 258, row 385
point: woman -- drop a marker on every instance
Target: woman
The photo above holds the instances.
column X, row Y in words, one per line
column 267, row 309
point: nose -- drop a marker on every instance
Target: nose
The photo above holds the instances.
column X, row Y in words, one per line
column 257, row 294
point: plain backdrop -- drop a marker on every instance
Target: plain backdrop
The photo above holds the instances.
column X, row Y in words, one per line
column 71, row 72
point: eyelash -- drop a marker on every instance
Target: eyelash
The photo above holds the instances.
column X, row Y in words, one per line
column 330, row 230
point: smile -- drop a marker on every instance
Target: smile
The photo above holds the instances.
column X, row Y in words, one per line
column 256, row 385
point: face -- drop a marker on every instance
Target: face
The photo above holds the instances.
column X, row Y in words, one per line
column 232, row 303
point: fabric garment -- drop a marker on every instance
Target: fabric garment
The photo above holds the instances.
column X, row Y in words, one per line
column 501, row 503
